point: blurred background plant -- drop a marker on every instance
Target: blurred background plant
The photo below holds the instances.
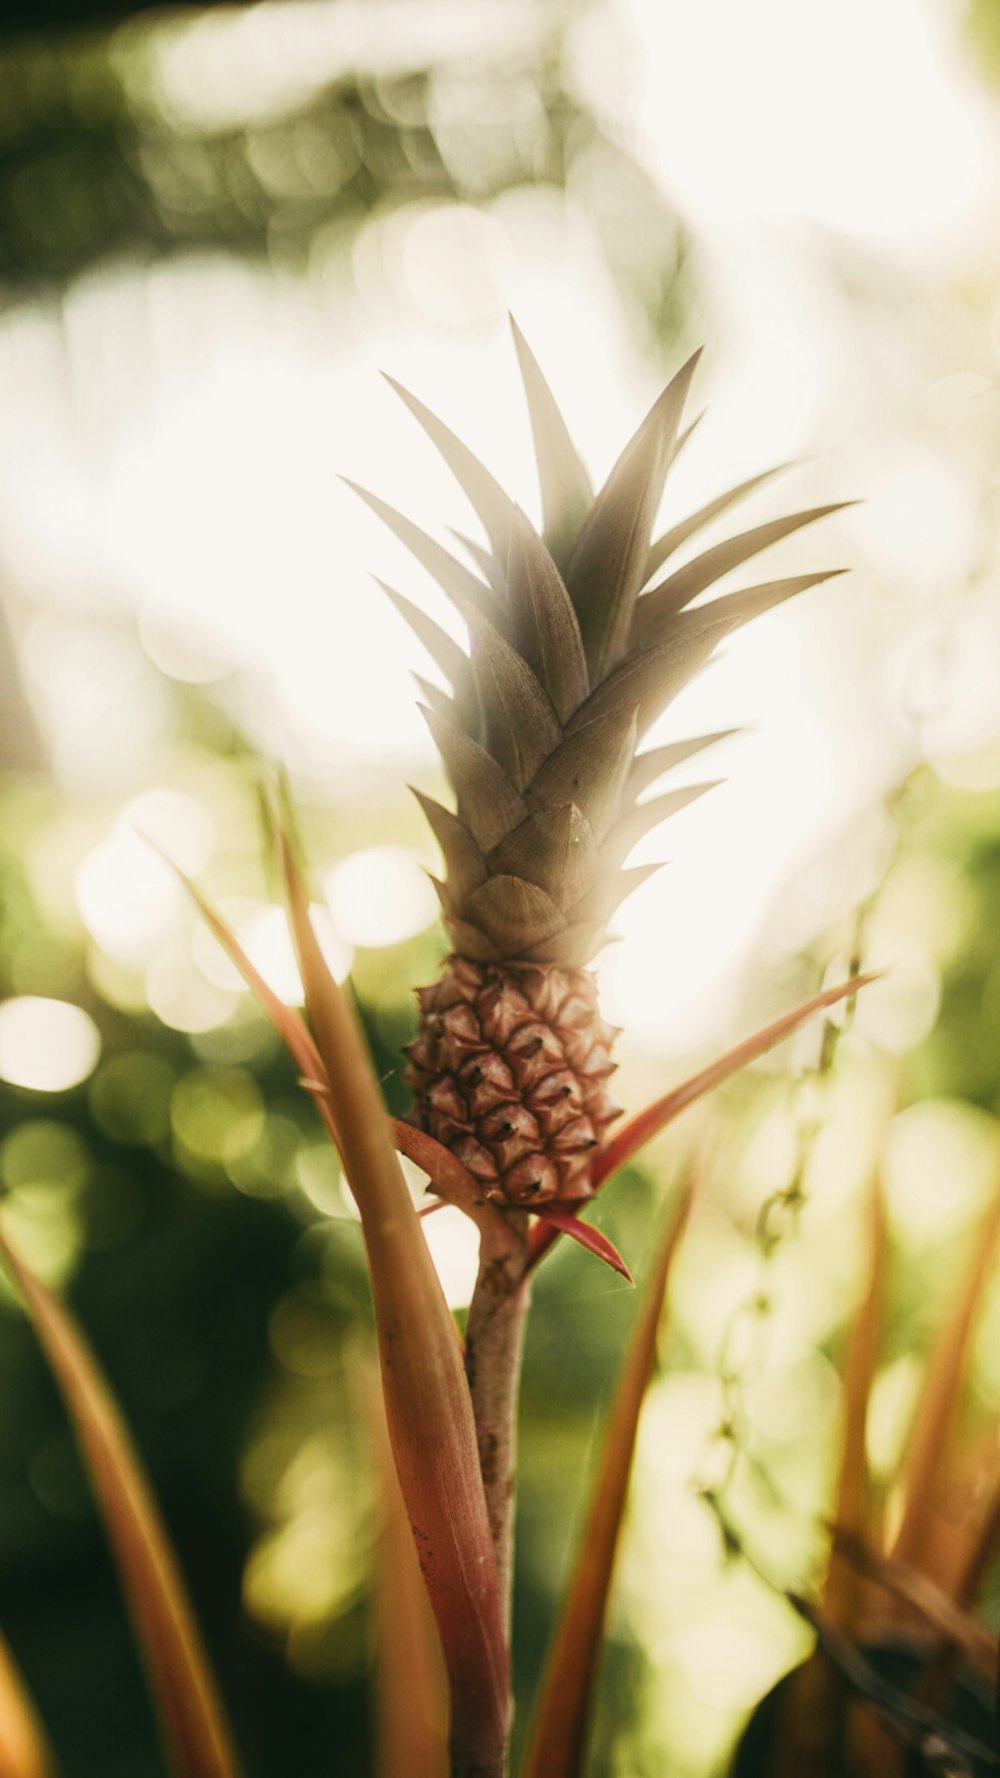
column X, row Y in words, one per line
column 214, row 228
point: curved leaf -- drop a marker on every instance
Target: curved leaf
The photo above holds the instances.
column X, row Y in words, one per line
column 565, row 484
column 441, row 647
column 542, row 624
column 589, row 768
column 521, row 726
column 554, row 848
column 664, row 601
column 427, row 1402
column 646, row 1124
column 24, row 1748
column 558, row 1739
column 192, row 1720
column 941, row 1395
column 494, row 506
column 464, row 589
column 647, row 767
column 423, row 1377
column 608, row 564
column 645, row 816
column 488, row 802
column 678, row 535
column 410, row 1689
column 593, row 1239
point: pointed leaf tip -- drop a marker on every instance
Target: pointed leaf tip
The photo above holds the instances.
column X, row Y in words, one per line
column 465, row 590
column 568, row 1222
column 646, row 1124
column 565, row 485
column 480, row 487
column 608, row 564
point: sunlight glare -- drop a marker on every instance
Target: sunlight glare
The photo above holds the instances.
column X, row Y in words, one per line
column 886, row 143
column 47, row 1045
column 454, row 1245
column 128, row 897
column 380, row 896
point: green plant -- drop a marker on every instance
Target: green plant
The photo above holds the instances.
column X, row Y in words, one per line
column 570, row 662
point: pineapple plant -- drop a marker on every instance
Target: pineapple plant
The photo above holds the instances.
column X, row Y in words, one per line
column 579, row 638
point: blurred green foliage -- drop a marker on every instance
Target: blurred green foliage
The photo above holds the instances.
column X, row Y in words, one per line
column 104, row 156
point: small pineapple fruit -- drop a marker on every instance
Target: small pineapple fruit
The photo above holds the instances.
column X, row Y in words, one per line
column 570, row 661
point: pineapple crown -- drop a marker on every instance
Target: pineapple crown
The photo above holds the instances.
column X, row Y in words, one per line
column 572, row 655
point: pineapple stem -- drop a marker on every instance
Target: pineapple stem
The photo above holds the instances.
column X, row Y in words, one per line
column 494, row 1342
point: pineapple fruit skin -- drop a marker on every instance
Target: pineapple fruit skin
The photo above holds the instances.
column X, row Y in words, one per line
column 577, row 643
column 509, row 1073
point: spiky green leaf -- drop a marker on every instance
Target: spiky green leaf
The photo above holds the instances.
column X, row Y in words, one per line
column 491, row 569
column 471, row 941
column 608, row 564
column 443, row 708
column 608, row 894
column 487, row 800
column 465, row 590
column 571, row 948
column 589, row 768
column 441, row 647
column 644, row 817
column 554, row 848
column 495, row 508
column 647, row 680
column 541, row 622
column 522, row 728
column 648, row 767
column 464, row 861
column 514, row 914
column 679, row 534
column 565, row 484
column 655, row 607
column 734, row 609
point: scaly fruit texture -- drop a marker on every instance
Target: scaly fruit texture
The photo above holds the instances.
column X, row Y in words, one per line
column 578, row 641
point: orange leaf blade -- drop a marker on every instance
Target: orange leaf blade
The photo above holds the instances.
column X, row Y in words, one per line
column 648, row 1123
column 24, row 1749
column 411, row 1701
column 558, row 1739
column 194, row 1728
column 427, row 1402
column 596, row 1242
column 942, row 1391
column 289, row 1026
